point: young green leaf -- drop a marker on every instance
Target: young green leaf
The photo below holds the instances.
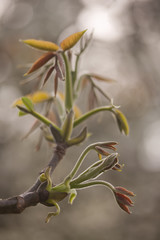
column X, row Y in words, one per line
column 68, row 125
column 70, row 41
column 28, row 103
column 42, row 45
column 122, row 121
column 21, row 114
column 80, row 138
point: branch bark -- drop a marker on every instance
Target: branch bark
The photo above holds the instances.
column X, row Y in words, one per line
column 37, row 192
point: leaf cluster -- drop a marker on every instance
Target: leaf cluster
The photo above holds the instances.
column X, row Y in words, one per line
column 61, row 115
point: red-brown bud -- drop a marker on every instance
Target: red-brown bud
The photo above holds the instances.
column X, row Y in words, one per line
column 124, row 191
column 109, row 145
column 122, row 199
column 118, row 167
column 101, row 151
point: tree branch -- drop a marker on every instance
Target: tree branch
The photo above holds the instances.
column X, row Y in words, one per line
column 37, row 192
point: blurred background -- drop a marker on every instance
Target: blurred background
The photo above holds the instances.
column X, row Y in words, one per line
column 125, row 47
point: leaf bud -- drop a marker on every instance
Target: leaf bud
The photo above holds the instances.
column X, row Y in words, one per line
column 121, row 121
column 80, row 138
column 68, row 125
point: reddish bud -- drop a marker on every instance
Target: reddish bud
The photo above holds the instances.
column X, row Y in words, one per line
column 125, row 208
column 101, row 151
column 124, row 191
column 122, row 199
column 109, row 145
column 118, row 167
column 40, row 62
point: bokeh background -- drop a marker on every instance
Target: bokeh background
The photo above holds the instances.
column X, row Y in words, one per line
column 126, row 47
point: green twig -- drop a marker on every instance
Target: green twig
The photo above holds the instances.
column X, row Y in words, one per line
column 90, row 113
column 68, row 84
column 45, row 120
column 92, row 183
column 80, row 160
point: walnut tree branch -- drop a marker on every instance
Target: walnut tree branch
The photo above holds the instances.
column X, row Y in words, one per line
column 37, row 192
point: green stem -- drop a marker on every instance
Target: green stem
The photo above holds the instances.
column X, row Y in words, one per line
column 82, row 177
column 80, row 160
column 62, row 187
column 90, row 113
column 68, row 84
column 93, row 183
column 76, row 69
column 78, row 163
column 44, row 120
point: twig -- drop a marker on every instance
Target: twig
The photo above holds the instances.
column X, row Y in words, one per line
column 36, row 193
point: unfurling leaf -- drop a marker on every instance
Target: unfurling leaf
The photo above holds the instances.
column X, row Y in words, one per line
column 42, row 45
column 68, row 125
column 21, row 114
column 122, row 121
column 96, row 169
column 28, row 103
column 70, row 41
column 40, row 62
column 80, row 138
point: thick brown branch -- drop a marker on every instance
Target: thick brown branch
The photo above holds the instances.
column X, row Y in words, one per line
column 19, row 203
column 36, row 193
column 59, row 152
